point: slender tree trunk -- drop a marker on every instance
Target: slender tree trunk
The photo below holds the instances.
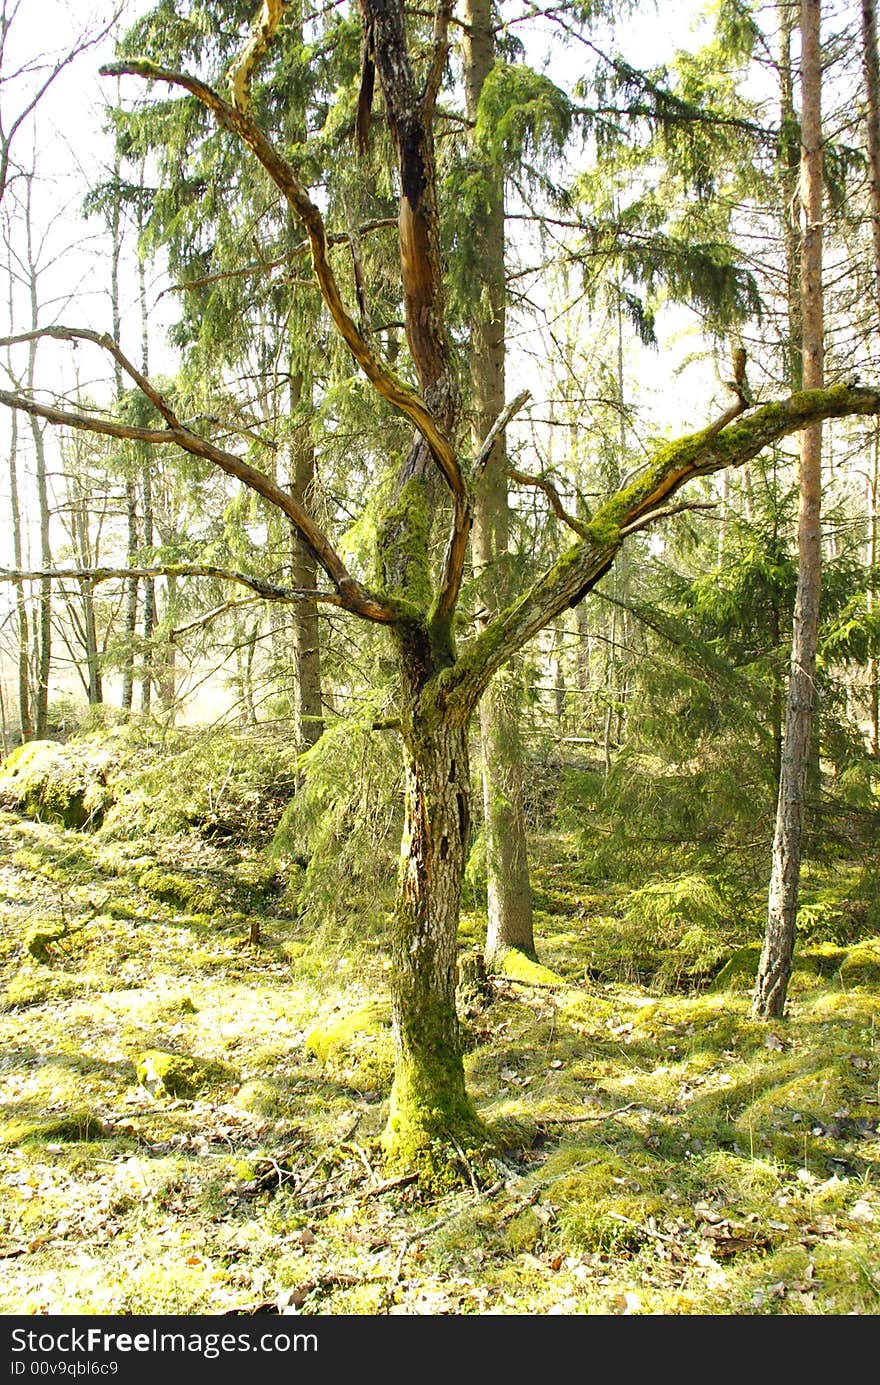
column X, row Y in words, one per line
column 509, row 901
column 873, row 558
column 131, row 586
column 309, row 709
column 85, row 558
column 149, row 625
column 149, row 616
column 871, row 64
column 776, row 957
column 26, row 728
column 168, row 675
column 789, row 164
column 44, row 617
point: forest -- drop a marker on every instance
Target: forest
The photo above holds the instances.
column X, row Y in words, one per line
column 440, row 658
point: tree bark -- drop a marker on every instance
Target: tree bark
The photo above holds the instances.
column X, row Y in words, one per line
column 871, row 65
column 776, row 957
column 509, row 895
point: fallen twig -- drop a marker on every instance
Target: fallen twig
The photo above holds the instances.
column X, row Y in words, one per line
column 645, row 1230
column 582, row 1120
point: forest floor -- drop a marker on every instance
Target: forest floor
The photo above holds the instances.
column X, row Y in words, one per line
column 191, row 1118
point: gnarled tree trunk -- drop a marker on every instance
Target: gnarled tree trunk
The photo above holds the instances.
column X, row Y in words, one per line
column 429, row 1104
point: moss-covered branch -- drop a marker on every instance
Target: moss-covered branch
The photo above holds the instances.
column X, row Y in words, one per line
column 640, row 502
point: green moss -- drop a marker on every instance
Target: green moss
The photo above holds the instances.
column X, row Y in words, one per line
column 740, row 971
column 39, row 939
column 76, row 1125
column 193, row 894
column 516, row 966
column 356, row 1046
column 336, row 1034
column 25, row 989
column 523, row 1232
column 861, row 967
column 432, row 1127
column 856, row 966
column 179, row 1075
column 264, row 1099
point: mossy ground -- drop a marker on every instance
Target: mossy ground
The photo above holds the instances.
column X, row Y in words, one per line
column 658, row 1151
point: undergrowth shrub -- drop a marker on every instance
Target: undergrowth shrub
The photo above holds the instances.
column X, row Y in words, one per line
column 338, row 839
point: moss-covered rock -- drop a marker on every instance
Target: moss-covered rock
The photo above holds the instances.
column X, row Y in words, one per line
column 25, row 989
column 57, row 783
column 740, row 970
column 76, row 1125
column 178, row 1074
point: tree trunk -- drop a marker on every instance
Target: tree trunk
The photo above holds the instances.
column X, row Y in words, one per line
column 44, row 618
column 789, row 161
column 167, row 681
column 26, row 728
column 149, row 618
column 509, row 894
column 147, row 494
column 871, row 65
column 429, row 1103
column 131, row 586
column 309, row 710
column 776, row 956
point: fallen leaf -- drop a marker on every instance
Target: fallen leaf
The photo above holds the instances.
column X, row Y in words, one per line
column 862, row 1212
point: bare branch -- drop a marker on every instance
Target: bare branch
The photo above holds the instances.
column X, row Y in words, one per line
column 663, row 512
column 481, row 461
column 463, row 515
column 242, row 71
column 387, row 384
column 262, row 266
column 106, row 342
column 269, row 591
column 81, row 46
column 354, row 596
column 439, row 53
column 552, row 495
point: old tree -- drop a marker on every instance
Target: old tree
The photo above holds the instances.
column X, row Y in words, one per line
column 423, row 532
